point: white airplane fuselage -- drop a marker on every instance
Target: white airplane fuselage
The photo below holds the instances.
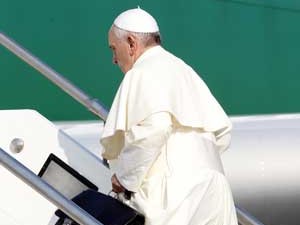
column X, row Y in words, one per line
column 261, row 164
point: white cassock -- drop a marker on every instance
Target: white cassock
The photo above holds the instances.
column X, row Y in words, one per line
column 165, row 132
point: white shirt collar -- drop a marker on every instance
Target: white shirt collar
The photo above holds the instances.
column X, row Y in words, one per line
column 148, row 53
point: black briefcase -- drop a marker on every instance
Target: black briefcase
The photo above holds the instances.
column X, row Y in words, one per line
column 105, row 208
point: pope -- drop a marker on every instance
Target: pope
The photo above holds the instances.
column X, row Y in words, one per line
column 165, row 132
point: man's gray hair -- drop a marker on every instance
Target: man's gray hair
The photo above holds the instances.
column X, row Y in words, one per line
column 146, row 38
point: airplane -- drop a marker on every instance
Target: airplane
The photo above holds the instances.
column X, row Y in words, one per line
column 261, row 164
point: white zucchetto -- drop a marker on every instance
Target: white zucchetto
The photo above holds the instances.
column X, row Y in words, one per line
column 136, row 20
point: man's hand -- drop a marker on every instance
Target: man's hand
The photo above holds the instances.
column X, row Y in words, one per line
column 116, row 186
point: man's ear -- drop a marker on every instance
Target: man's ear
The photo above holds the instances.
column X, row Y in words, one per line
column 132, row 44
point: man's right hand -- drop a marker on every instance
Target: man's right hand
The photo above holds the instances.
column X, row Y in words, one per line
column 116, row 185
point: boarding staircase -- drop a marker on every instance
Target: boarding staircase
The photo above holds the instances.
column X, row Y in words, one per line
column 8, row 158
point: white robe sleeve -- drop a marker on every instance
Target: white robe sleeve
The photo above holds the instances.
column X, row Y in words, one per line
column 143, row 144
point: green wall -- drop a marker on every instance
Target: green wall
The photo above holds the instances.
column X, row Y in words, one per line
column 247, row 51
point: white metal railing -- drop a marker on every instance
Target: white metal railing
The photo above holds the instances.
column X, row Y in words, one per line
column 92, row 104
column 245, row 218
column 35, row 182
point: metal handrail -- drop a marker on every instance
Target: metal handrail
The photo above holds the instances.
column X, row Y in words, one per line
column 245, row 218
column 35, row 182
column 91, row 103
